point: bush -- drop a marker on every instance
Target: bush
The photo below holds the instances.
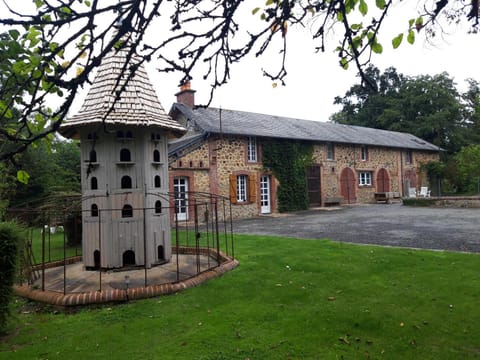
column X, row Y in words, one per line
column 10, row 244
column 418, row 202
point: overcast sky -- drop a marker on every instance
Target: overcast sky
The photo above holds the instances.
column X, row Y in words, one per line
column 314, row 80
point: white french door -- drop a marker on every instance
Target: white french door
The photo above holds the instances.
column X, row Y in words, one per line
column 265, row 207
column 180, row 189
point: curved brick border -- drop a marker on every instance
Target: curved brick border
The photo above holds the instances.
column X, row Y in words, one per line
column 119, row 295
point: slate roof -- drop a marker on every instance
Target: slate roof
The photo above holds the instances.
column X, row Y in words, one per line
column 261, row 125
column 138, row 104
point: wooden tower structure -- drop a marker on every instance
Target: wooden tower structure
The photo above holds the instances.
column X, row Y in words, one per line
column 123, row 131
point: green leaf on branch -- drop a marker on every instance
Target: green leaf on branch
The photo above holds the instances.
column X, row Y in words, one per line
column 254, row 11
column 22, row 176
column 344, row 63
column 377, row 48
column 397, row 40
column 380, row 4
column 14, row 34
column 363, row 7
column 411, row 37
column 419, row 23
column 356, row 27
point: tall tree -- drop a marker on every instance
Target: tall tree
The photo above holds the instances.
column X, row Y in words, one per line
column 52, row 168
column 427, row 106
column 52, row 48
column 472, row 111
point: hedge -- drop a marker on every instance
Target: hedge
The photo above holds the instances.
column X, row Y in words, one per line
column 10, row 244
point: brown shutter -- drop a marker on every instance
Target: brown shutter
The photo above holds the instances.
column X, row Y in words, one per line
column 233, row 189
column 252, row 189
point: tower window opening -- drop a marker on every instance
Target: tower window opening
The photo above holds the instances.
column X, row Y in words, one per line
column 126, row 182
column 127, row 211
column 125, row 155
column 156, row 155
column 93, row 183
column 158, row 207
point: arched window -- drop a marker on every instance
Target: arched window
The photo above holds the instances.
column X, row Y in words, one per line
column 93, row 156
column 94, row 183
column 127, row 211
column 125, row 155
column 96, row 259
column 128, row 258
column 94, row 210
column 158, row 207
column 120, row 134
column 129, row 135
column 156, row 155
column 160, row 252
column 158, row 182
column 126, row 182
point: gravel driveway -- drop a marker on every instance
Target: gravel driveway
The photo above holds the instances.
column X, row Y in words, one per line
column 381, row 224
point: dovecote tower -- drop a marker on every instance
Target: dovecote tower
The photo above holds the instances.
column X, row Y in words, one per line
column 123, row 131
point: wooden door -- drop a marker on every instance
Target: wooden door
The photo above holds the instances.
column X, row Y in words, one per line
column 383, row 181
column 347, row 186
column 313, row 185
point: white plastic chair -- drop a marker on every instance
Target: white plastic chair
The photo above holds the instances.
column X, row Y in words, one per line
column 412, row 192
column 424, row 192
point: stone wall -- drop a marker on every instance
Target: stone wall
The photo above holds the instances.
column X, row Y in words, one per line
column 214, row 162
column 349, row 156
column 457, row 201
column 211, row 166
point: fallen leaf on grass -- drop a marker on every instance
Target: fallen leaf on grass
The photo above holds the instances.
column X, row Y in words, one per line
column 344, row 340
column 331, row 298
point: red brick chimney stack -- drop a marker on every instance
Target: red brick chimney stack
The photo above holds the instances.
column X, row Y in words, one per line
column 186, row 95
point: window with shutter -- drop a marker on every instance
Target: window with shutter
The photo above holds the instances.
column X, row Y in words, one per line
column 243, row 189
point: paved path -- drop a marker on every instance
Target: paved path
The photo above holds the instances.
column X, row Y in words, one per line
column 381, row 224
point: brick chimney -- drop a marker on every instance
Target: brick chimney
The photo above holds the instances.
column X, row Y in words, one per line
column 186, row 95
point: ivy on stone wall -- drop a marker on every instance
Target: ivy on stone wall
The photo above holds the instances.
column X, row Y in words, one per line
column 288, row 160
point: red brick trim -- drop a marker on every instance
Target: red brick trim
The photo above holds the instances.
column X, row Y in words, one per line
column 118, row 295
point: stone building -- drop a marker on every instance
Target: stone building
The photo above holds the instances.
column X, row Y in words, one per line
column 123, row 132
column 221, row 153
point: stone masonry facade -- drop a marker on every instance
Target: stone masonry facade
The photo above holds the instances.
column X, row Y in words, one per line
column 212, row 166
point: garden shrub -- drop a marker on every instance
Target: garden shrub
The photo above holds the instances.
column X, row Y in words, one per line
column 10, row 244
column 418, row 202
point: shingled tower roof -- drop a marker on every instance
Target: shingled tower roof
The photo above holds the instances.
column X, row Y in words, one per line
column 137, row 104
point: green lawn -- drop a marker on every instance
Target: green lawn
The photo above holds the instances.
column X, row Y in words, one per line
column 54, row 244
column 288, row 299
